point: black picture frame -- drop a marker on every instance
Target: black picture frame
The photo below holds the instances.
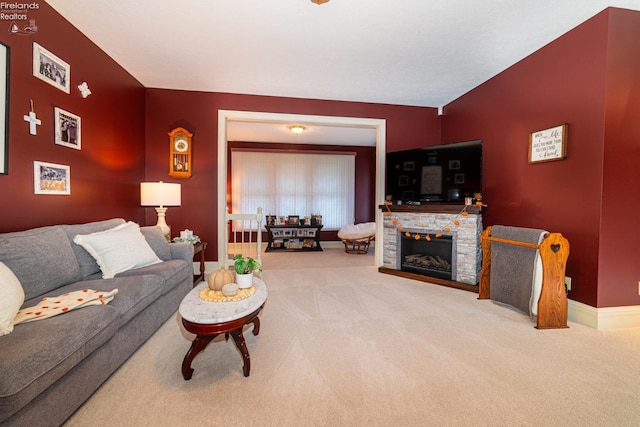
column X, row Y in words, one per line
column 5, row 57
column 294, row 219
column 271, row 220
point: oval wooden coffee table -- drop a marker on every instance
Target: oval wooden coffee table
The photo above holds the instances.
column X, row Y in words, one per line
column 209, row 319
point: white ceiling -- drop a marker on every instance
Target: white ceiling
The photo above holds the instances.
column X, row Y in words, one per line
column 313, row 134
column 405, row 52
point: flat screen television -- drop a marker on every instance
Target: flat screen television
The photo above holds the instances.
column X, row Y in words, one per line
column 445, row 173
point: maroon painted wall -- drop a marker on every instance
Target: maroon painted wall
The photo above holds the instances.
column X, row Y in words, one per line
column 619, row 269
column 582, row 79
column 106, row 173
column 198, row 112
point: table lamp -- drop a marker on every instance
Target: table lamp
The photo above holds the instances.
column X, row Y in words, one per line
column 160, row 194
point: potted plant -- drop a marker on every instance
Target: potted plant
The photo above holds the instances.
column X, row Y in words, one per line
column 244, row 267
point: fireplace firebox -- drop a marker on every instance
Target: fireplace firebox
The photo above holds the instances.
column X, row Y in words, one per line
column 433, row 258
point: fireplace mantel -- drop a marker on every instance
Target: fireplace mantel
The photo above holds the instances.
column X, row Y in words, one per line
column 432, row 208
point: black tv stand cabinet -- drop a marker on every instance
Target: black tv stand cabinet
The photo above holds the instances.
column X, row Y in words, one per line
column 291, row 238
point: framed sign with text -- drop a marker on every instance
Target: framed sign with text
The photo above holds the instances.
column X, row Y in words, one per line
column 549, row 144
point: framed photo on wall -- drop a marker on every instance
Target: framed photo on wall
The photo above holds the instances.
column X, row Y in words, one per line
column 51, row 69
column 68, row 129
column 51, row 178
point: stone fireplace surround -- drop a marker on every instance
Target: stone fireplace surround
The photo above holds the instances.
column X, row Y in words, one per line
column 432, row 218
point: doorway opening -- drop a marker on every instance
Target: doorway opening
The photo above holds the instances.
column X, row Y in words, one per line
column 225, row 116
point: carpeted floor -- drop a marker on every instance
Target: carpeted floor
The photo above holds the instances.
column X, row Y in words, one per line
column 343, row 345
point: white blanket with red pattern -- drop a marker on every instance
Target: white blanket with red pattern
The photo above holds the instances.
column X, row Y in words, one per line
column 52, row 306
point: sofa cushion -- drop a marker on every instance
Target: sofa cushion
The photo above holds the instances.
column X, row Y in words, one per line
column 11, row 298
column 119, row 249
column 154, row 237
column 37, row 354
column 135, row 293
column 87, row 263
column 172, row 272
column 41, row 258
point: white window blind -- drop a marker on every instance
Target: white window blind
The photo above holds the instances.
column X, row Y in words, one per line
column 295, row 184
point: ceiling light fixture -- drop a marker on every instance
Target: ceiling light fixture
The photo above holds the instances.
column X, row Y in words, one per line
column 297, row 129
column 319, row 1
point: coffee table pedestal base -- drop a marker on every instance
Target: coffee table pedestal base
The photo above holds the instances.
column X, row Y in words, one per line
column 205, row 333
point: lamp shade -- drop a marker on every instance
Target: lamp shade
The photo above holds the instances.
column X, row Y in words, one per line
column 159, row 194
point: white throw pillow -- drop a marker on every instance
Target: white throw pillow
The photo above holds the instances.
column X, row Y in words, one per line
column 11, row 298
column 118, row 249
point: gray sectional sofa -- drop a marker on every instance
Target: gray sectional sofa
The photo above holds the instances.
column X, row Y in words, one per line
column 49, row 367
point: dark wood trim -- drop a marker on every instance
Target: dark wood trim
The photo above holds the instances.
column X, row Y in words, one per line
column 431, row 208
column 432, row 280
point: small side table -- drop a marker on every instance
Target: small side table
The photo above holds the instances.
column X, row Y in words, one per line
column 209, row 319
column 199, row 248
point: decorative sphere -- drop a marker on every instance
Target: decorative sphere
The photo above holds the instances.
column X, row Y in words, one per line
column 230, row 289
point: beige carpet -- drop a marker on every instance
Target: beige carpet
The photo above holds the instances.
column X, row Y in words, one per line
column 343, row 345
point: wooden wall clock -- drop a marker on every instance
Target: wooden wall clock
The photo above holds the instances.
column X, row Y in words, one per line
column 180, row 160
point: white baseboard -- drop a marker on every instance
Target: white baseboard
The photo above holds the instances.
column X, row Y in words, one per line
column 604, row 318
